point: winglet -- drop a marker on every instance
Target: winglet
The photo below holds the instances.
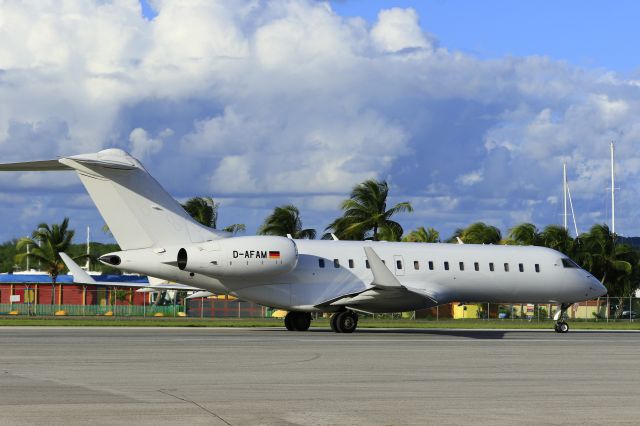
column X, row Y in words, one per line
column 382, row 276
column 79, row 275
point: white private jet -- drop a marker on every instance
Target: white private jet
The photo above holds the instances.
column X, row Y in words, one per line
column 158, row 238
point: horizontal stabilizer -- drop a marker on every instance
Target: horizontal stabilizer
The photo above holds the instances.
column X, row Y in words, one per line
column 35, row 166
column 80, row 276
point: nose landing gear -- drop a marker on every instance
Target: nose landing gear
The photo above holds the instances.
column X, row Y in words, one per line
column 561, row 326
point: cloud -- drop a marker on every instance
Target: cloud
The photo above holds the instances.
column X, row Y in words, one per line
column 270, row 102
column 398, row 29
column 142, row 146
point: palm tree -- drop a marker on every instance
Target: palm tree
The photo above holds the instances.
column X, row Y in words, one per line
column 286, row 220
column 390, row 234
column 366, row 213
column 45, row 244
column 422, row 235
column 524, row 234
column 204, row 210
column 478, row 233
column 557, row 238
column 612, row 263
column 235, row 228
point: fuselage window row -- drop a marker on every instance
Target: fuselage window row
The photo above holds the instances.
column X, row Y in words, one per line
column 430, row 264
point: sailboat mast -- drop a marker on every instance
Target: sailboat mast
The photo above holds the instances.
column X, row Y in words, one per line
column 564, row 193
column 88, row 265
column 613, row 192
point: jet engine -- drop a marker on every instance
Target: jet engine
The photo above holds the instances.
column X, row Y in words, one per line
column 240, row 256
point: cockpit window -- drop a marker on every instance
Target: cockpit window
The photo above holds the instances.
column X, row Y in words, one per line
column 568, row 263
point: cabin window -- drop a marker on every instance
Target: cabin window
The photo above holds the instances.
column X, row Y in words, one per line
column 461, row 264
column 431, row 265
column 446, row 266
column 491, row 266
column 366, row 264
column 351, row 264
column 537, row 266
column 321, row 263
column 521, row 267
column 398, row 264
column 336, row 263
column 506, row 267
column 476, row 266
column 416, row 265
column 568, row 263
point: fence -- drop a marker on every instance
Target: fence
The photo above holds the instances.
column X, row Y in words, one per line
column 601, row 309
column 77, row 300
column 35, row 300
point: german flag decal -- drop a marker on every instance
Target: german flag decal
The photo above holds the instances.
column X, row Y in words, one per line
column 274, row 254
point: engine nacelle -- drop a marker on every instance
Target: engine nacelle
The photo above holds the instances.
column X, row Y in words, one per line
column 240, row 256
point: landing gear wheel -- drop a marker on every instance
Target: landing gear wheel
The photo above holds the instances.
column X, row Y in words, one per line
column 346, row 322
column 288, row 321
column 297, row 321
column 562, row 327
column 301, row 321
column 332, row 322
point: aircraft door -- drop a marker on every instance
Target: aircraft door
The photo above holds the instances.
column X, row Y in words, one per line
column 398, row 264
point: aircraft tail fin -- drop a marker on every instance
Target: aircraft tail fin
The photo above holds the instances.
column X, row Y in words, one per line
column 80, row 276
column 137, row 210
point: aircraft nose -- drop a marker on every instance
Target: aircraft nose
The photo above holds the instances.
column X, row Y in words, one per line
column 596, row 288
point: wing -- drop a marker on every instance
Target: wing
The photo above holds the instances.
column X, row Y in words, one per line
column 386, row 292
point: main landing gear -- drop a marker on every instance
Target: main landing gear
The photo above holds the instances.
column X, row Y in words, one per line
column 344, row 322
column 297, row 321
column 561, row 326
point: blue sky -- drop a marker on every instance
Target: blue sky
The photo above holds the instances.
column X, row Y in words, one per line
column 589, row 33
column 467, row 108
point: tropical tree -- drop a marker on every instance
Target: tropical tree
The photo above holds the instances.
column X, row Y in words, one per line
column 422, row 235
column 235, row 228
column 390, row 234
column 558, row 238
column 524, row 234
column 366, row 214
column 286, row 220
column 478, row 233
column 205, row 211
column 45, row 245
column 607, row 260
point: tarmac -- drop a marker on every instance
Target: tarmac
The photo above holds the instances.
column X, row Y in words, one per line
column 231, row 376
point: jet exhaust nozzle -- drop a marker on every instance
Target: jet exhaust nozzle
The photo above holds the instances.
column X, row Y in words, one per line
column 182, row 259
column 110, row 259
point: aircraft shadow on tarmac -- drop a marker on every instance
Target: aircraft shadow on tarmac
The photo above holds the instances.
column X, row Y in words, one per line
column 471, row 334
